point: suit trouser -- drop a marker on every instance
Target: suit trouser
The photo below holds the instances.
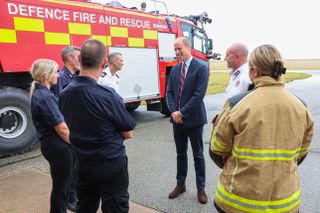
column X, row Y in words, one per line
column 107, row 180
column 181, row 135
column 60, row 167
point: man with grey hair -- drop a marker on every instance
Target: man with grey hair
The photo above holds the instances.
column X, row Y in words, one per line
column 109, row 77
column 70, row 58
column 236, row 58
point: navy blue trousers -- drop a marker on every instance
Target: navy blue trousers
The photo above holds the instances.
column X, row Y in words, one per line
column 107, row 180
column 60, row 161
column 72, row 191
column 181, row 135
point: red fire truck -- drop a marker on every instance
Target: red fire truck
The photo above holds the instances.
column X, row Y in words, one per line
column 32, row 29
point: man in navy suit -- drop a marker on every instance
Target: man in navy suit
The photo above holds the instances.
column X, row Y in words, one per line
column 186, row 89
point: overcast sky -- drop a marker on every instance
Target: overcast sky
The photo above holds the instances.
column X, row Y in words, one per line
column 293, row 26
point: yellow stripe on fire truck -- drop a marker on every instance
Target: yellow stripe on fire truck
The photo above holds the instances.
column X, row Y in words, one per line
column 8, row 36
column 121, row 32
column 28, row 24
column 106, row 40
column 61, row 38
column 135, row 42
column 57, row 38
column 150, row 34
column 79, row 29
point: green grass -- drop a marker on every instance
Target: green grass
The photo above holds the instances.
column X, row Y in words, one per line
column 291, row 76
column 306, row 64
column 218, row 81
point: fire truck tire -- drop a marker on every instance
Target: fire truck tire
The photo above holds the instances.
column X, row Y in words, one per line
column 17, row 133
column 132, row 106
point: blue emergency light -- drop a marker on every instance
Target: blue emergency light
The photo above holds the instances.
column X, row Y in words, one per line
column 169, row 23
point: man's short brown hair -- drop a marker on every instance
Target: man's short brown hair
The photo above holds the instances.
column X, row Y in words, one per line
column 92, row 54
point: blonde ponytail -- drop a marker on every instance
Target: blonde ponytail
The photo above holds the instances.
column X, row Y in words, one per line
column 32, row 88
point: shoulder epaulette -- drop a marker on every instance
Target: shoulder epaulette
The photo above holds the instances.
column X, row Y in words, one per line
column 236, row 73
column 103, row 74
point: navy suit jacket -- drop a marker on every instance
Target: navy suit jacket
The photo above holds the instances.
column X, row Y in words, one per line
column 191, row 104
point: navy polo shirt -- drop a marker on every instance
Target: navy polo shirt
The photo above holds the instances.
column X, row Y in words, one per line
column 96, row 116
column 65, row 77
column 45, row 115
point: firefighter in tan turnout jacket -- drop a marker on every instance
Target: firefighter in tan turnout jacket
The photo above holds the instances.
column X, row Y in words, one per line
column 259, row 139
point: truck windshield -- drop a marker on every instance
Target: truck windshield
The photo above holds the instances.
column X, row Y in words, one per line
column 198, row 38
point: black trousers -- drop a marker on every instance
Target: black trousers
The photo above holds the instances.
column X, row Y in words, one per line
column 107, row 180
column 181, row 135
column 60, row 161
column 72, row 191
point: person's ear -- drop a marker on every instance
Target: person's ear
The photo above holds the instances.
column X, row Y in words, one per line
column 45, row 78
column 253, row 73
column 257, row 71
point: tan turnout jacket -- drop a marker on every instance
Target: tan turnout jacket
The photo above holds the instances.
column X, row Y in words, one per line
column 261, row 135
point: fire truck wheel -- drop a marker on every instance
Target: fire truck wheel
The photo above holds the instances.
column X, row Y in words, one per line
column 17, row 133
column 132, row 106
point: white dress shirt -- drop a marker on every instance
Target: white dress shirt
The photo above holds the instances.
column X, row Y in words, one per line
column 188, row 62
column 107, row 79
column 239, row 81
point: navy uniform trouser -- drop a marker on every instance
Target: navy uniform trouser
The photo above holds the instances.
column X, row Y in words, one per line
column 181, row 135
column 107, row 180
column 60, row 161
column 72, row 191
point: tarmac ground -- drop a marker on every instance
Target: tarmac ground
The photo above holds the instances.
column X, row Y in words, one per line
column 27, row 191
